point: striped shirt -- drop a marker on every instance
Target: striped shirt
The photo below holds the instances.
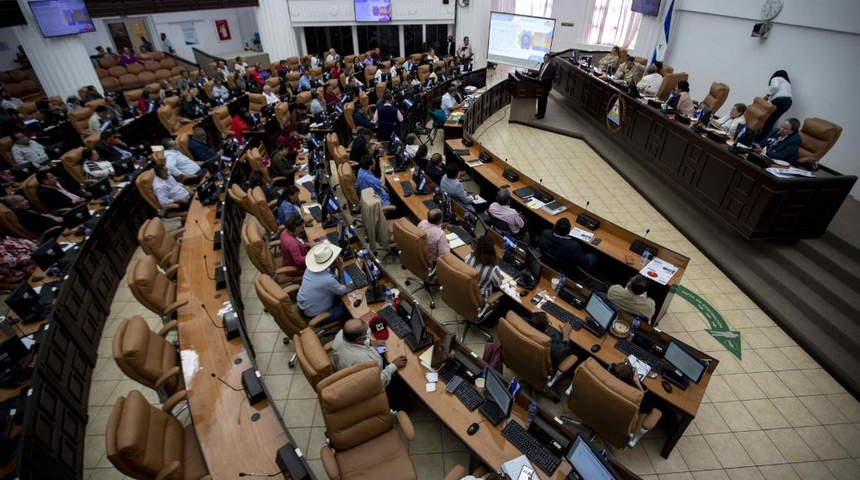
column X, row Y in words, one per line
column 489, row 276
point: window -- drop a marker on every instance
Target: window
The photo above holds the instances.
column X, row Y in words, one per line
column 321, row 39
column 412, row 36
column 384, row 37
column 613, row 23
column 535, row 8
column 437, row 37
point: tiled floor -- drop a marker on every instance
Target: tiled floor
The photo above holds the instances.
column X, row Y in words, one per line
column 773, row 415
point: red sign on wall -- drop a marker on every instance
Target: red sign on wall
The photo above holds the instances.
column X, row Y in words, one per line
column 223, row 29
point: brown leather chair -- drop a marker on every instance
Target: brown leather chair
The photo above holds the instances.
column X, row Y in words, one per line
column 30, row 187
column 669, row 83
column 313, row 359
column 144, row 186
column 255, row 161
column 274, row 83
column 362, row 441
column 10, row 225
column 153, row 288
column 107, row 62
column 381, row 88
column 348, row 112
column 348, row 61
column 90, row 141
column 341, row 156
column 132, row 96
column 757, row 113
column 147, row 357
column 151, row 66
column 526, row 351
column 242, row 198
column 460, row 291
column 278, row 302
column 168, row 114
column 348, row 184
column 263, row 211
column 363, row 99
column 183, row 142
column 369, row 74
column 158, row 55
column 154, row 239
column 30, row 110
column 305, row 98
column 256, row 102
column 6, row 150
column 293, row 78
column 415, row 255
column 145, row 442
column 73, row 163
column 282, row 113
column 261, row 255
column 817, row 138
column 609, row 406
column 134, row 68
column 716, row 97
column 80, row 118
column 115, row 71
column 316, row 73
column 423, row 73
column 223, row 121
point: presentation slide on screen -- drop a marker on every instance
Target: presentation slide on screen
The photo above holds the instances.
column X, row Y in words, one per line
column 519, row 40
column 62, row 17
column 372, row 10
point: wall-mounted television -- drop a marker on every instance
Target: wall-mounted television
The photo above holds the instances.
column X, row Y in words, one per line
column 58, row 18
column 372, row 10
column 646, row 7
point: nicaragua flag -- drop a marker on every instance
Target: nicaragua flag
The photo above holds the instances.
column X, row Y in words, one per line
column 663, row 40
column 333, row 205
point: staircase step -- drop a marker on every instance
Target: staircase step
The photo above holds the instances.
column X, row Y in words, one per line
column 843, row 263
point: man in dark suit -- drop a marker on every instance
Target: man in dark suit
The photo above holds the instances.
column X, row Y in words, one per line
column 35, row 222
column 557, row 243
column 451, row 47
column 58, row 193
column 545, row 76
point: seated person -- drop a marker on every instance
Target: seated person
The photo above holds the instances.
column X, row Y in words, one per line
column 318, row 103
column 452, row 186
column 437, row 242
column 627, row 374
column 26, row 150
column 610, row 58
column 411, row 144
column 633, row 298
column 98, row 120
column 449, row 101
column 239, row 126
column 323, row 284
column 293, row 248
column 501, row 210
column 305, row 81
column 685, row 103
column 57, row 193
column 270, row 96
column 90, row 94
column 192, row 107
column 290, row 205
column 145, row 104
column 219, row 91
column 439, row 116
column 731, row 122
column 329, row 95
column 94, row 166
column 200, row 150
column 422, row 159
column 560, row 346
column 35, row 222
column 361, row 145
column 782, row 143
column 180, row 166
column 629, row 72
column 483, row 258
column 558, row 244
column 114, row 110
column 353, row 346
column 15, row 261
column 436, row 169
column 255, row 179
column 366, row 179
column 168, row 191
column 650, row 83
column 284, row 163
column 362, row 120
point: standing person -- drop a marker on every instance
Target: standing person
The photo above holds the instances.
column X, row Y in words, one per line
column 450, row 47
column 166, row 44
column 387, row 118
column 545, row 76
column 779, row 95
column 466, row 53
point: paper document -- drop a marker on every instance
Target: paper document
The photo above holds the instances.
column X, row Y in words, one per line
column 535, row 204
column 477, row 200
column 513, row 467
column 307, row 208
column 641, row 367
column 659, row 270
column 306, row 178
column 454, row 241
column 790, row 172
column 474, row 163
column 581, row 234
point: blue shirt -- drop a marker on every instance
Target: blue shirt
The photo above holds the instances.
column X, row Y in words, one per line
column 304, row 83
column 318, row 292
column 367, row 180
column 200, row 150
column 287, row 210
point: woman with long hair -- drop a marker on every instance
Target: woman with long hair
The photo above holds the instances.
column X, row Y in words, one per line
column 779, row 95
column 483, row 258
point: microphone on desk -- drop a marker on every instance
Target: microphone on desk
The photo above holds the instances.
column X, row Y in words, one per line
column 586, row 220
column 216, row 240
column 289, row 460
column 647, row 231
column 212, row 319
column 202, row 231
column 541, row 195
column 206, row 261
column 231, row 387
column 219, row 277
column 244, row 474
column 510, row 175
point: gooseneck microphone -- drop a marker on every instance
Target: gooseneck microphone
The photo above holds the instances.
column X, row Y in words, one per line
column 647, row 231
column 244, row 474
column 202, row 231
column 212, row 319
column 206, row 260
column 231, row 387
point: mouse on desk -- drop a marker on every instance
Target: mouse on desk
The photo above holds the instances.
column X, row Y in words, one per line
column 356, row 303
column 524, row 293
column 667, row 386
column 595, row 348
column 473, row 428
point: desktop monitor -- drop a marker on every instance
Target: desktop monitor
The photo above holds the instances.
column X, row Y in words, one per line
column 685, row 362
column 498, row 392
column 600, row 311
column 23, row 300
column 76, row 216
column 100, row 188
column 587, row 464
column 470, row 221
column 124, row 166
column 416, row 321
column 533, row 265
column 12, row 351
column 47, row 254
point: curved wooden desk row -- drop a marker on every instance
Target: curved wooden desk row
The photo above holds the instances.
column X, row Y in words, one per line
column 753, row 202
column 55, row 398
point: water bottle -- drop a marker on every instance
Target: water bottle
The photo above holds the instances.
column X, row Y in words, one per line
column 560, row 282
column 389, row 296
column 108, row 198
column 533, row 407
column 636, row 321
column 88, row 230
column 644, row 258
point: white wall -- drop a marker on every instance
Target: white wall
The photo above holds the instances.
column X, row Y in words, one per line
column 7, row 57
column 577, row 12
column 711, row 41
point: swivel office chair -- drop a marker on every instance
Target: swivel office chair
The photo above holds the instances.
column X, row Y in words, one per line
column 256, row 102
column 90, row 141
column 263, row 212
column 168, row 115
column 460, row 291
column 757, row 114
column 361, row 439
column 9, row 223
column 6, row 144
column 29, row 188
column 282, row 113
column 716, row 97
column 348, row 115
column 144, row 186
column 147, row 357
column 80, row 118
column 526, row 351
column 313, row 359
column 609, row 406
column 378, row 229
column 348, row 185
column 669, row 83
column 154, row 289
column 415, row 256
column 73, row 164
column 241, row 197
column 255, row 161
column 222, row 120
column 154, row 240
column 148, row 443
column 183, row 142
column 817, row 138
column 261, row 255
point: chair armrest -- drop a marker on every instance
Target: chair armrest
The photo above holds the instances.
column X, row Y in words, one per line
column 651, row 419
column 272, row 204
column 287, row 269
column 179, row 231
column 290, row 289
column 314, row 323
column 406, row 425
column 167, row 328
column 176, row 306
column 329, row 346
column 495, row 297
column 568, row 362
column 329, row 463
column 174, row 400
column 170, row 272
column 456, row 473
column 168, row 470
column 173, row 371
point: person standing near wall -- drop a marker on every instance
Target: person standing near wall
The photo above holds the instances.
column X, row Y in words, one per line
column 779, row 95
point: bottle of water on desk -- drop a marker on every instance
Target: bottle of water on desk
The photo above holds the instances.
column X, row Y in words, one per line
column 389, row 296
column 636, row 322
column 560, row 281
column 532, row 412
column 644, row 258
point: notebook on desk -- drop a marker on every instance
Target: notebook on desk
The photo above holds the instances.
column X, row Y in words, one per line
column 525, row 193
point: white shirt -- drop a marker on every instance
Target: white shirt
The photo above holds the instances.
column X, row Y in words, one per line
column 779, row 87
column 221, row 91
column 650, row 84
column 448, row 103
column 729, row 125
column 33, row 153
column 168, row 191
column 271, row 98
column 240, row 67
column 178, row 164
column 11, row 102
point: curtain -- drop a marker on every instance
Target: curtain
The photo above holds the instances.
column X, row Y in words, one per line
column 613, row 23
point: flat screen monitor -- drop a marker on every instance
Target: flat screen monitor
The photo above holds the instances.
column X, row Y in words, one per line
column 58, row 18
column 498, row 392
column 519, row 40
column 646, row 7
column 587, row 464
column 76, row 216
column 470, row 220
column 47, row 254
column 685, row 362
column 100, row 188
column 12, row 350
column 416, row 321
column 372, row 277
column 533, row 265
column 600, row 310
column 373, row 11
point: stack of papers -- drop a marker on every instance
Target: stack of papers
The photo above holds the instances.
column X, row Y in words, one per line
column 659, row 270
column 581, row 234
column 454, row 241
column 513, row 467
column 790, row 172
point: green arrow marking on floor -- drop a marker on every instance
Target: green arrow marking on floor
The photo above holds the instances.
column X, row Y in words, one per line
column 730, row 339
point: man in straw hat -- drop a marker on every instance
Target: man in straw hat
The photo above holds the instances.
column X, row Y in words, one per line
column 323, row 284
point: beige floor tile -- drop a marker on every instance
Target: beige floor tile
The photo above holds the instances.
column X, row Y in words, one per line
column 708, row 420
column 847, row 405
column 794, row 411
column 452, row 459
column 812, row 471
column 759, row 447
column 791, row 445
column 737, row 417
column 728, row 450
column 823, row 382
column 778, row 472
column 745, row 473
column 316, row 440
column 300, row 388
column 428, row 438
column 636, row 459
column 847, row 469
column 798, row 383
column 775, row 359
column 822, row 443
column 770, row 384
column 743, row 386
column 766, row 414
column 677, row 476
column 429, row 466
column 823, row 409
column 848, row 437
column 697, row 454
column 674, row 464
column 298, row 412
column 778, row 337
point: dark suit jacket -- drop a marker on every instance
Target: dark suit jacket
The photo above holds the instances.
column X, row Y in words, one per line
column 567, row 250
column 359, row 148
column 55, row 200
column 788, row 149
column 35, row 222
column 107, row 153
column 548, row 75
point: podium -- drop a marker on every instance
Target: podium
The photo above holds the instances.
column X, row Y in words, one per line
column 524, row 90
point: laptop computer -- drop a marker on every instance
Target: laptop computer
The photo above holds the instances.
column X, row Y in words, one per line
column 525, row 193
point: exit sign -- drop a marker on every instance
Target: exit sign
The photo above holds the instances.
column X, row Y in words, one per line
column 566, row 24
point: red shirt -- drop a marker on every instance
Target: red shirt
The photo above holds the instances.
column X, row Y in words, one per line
column 293, row 252
column 238, row 126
